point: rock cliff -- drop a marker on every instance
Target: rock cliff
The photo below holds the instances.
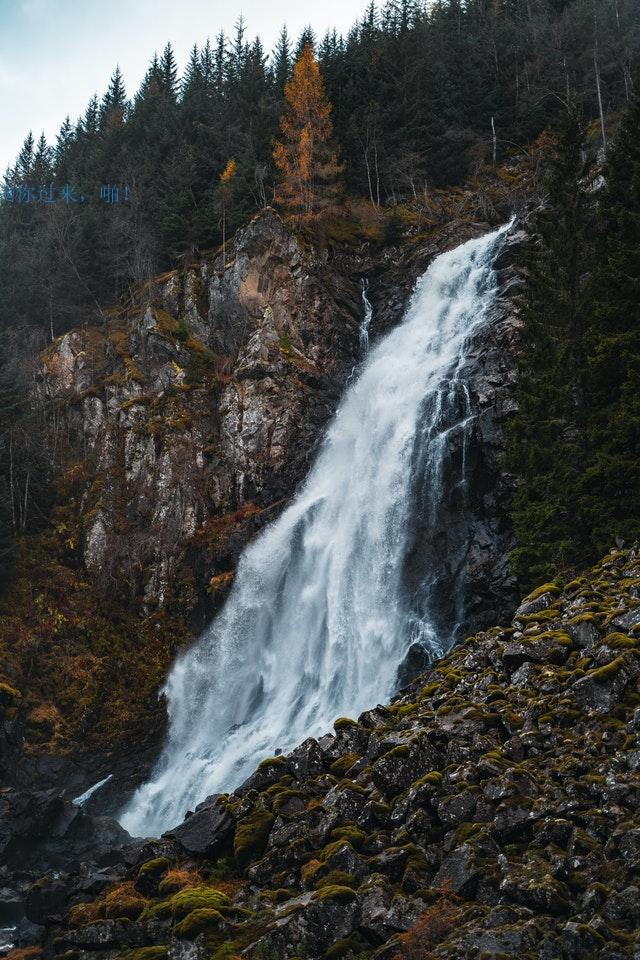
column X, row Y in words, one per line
column 490, row 810
column 197, row 407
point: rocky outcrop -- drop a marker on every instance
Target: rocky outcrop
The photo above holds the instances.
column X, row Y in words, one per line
column 195, row 410
column 490, row 810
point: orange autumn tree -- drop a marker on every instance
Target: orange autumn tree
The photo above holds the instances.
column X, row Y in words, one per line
column 306, row 157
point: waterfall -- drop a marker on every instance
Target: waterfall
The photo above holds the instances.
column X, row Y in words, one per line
column 317, row 623
column 367, row 315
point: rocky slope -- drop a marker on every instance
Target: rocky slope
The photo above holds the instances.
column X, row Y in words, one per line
column 491, row 810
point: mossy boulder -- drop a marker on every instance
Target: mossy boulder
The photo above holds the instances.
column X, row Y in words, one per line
column 145, row 953
column 251, row 836
column 196, row 898
column 198, row 921
column 150, row 874
column 336, row 892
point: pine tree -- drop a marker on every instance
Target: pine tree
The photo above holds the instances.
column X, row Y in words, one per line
column 282, row 61
column 64, row 141
column 42, row 168
column 306, row 158
column 545, row 447
column 306, row 39
column 168, row 72
column 90, row 120
column 610, row 491
column 114, row 103
column 11, row 408
column 24, row 163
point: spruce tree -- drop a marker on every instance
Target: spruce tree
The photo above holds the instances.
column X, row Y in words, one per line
column 545, row 446
column 610, row 491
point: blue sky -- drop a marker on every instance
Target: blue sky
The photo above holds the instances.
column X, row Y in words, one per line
column 54, row 54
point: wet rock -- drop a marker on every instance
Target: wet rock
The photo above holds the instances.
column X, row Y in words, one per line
column 311, row 931
column 623, row 907
column 458, row 872
column 179, row 949
column 628, row 620
column 543, row 602
column 403, row 765
column 458, row 809
column 583, row 632
column 580, row 940
column 112, row 933
column 209, row 827
column 545, row 648
column 600, row 690
column 47, row 900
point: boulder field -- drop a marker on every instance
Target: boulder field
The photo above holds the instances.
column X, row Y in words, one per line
column 491, row 810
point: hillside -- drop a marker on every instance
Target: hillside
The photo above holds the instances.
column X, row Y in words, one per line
column 490, row 810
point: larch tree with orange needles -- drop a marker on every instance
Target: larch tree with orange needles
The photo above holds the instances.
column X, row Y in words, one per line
column 306, row 157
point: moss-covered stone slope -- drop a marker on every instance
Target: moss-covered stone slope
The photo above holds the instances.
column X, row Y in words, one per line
column 490, row 811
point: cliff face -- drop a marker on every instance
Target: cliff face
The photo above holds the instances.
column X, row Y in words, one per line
column 196, row 410
column 490, row 810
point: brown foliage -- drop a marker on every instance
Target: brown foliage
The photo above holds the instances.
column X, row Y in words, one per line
column 306, row 159
column 431, row 928
column 175, row 880
column 23, row 953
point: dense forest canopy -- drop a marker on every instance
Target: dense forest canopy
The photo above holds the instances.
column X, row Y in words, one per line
column 422, row 95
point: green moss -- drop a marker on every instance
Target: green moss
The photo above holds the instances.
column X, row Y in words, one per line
column 124, row 908
column 335, row 892
column 465, row 831
column 196, row 922
column 434, row 777
column 353, row 834
column 343, row 723
column 335, row 878
column 408, row 709
column 609, row 670
column 281, row 895
column 154, row 868
column 284, row 795
column 342, row 764
column 251, row 836
column 269, row 762
column 341, row 948
column 9, row 693
column 332, row 848
column 145, row 953
column 353, row 787
column 539, row 591
column 196, row 898
column 402, row 750
column 620, row 641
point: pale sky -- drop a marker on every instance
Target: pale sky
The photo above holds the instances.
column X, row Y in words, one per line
column 54, row 54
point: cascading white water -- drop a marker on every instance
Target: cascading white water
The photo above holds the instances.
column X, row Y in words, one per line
column 317, row 623
column 367, row 316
